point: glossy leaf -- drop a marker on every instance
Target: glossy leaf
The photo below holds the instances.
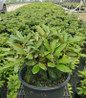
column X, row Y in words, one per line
column 65, row 37
column 53, row 45
column 63, row 68
column 83, row 55
column 31, row 62
column 50, row 57
column 59, row 49
column 40, row 30
column 35, row 69
column 46, row 43
column 29, row 56
column 60, row 38
column 46, row 29
column 20, row 35
column 39, row 43
column 75, row 39
column 51, row 64
column 65, row 59
column 42, row 66
column 18, row 49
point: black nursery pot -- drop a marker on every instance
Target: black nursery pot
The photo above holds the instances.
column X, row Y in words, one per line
column 42, row 92
column 3, row 91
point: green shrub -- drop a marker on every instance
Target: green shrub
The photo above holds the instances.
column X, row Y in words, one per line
column 24, row 20
column 45, row 51
column 82, row 86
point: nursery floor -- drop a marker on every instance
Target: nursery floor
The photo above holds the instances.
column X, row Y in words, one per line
column 12, row 7
column 22, row 95
column 81, row 15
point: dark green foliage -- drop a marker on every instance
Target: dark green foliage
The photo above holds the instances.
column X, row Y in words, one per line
column 25, row 18
column 45, row 53
column 43, row 75
column 54, row 73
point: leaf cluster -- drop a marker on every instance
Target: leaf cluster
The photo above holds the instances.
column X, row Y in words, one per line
column 25, row 18
column 82, row 87
column 44, row 51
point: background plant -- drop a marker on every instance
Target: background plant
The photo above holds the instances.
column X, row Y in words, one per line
column 25, row 18
column 82, row 86
column 8, row 75
column 70, row 5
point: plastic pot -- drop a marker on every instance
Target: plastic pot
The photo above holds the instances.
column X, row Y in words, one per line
column 42, row 92
column 3, row 91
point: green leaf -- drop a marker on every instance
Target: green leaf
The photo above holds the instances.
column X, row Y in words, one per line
column 40, row 30
column 17, row 63
column 72, row 54
column 46, row 29
column 16, row 68
column 5, row 67
column 27, row 38
column 59, row 49
column 50, row 57
column 38, row 44
column 65, row 59
column 8, row 65
column 58, row 54
column 52, row 74
column 51, row 64
column 18, row 60
column 36, row 36
column 42, row 66
column 7, row 53
column 65, row 37
column 10, row 59
column 63, row 68
column 83, row 55
column 61, row 39
column 53, row 45
column 18, row 49
column 80, row 92
column 19, row 35
column 58, row 44
column 46, row 53
column 5, row 49
column 31, row 62
column 12, row 38
column 75, row 39
column 46, row 43
column 35, row 69
column 30, row 56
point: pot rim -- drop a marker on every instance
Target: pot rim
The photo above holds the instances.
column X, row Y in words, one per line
column 43, row 88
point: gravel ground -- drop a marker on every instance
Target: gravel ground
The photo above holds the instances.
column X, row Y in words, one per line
column 12, row 7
